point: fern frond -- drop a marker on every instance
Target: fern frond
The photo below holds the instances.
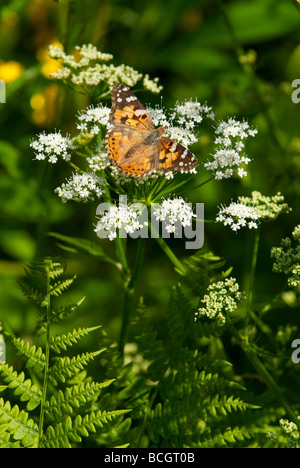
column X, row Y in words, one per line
column 181, row 314
column 58, row 288
column 35, row 295
column 73, row 397
column 203, row 269
column 56, row 268
column 229, row 438
column 57, row 315
column 216, row 405
column 151, row 347
column 25, row 389
column 62, row 342
column 18, row 425
column 65, row 368
column 66, row 433
column 34, row 356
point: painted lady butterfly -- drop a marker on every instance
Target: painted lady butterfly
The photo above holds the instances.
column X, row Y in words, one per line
column 133, row 143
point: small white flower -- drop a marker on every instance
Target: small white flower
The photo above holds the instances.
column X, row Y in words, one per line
column 238, row 215
column 119, row 217
column 81, row 187
column 229, row 143
column 152, row 85
column 52, row 146
column 172, row 211
column 91, row 119
column 241, row 172
column 222, row 298
column 99, row 160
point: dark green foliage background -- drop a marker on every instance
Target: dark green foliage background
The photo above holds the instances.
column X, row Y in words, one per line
column 188, row 45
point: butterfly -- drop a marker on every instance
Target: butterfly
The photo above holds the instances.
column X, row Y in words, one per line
column 133, row 143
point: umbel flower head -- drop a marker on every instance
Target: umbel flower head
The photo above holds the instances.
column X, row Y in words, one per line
column 173, row 211
column 221, row 298
column 92, row 118
column 124, row 217
column 81, row 187
column 248, row 211
column 291, row 430
column 238, row 215
column 268, row 208
column 88, row 68
column 287, row 258
column 52, row 147
column 229, row 156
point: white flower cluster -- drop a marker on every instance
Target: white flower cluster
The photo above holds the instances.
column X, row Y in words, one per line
column 230, row 137
column 238, row 215
column 81, row 187
column 85, row 54
column 222, row 298
column 132, row 218
column 52, row 147
column 152, row 85
column 181, row 124
column 291, row 430
column 99, row 160
column 91, row 118
column 296, row 233
column 191, row 113
column 287, row 258
column 269, row 208
column 173, row 211
column 88, row 68
column 119, row 217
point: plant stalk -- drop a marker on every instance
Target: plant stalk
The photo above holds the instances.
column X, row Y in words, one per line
column 264, row 374
column 47, row 360
column 251, row 279
column 168, row 252
column 129, row 292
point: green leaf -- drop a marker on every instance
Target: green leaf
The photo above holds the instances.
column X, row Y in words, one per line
column 83, row 246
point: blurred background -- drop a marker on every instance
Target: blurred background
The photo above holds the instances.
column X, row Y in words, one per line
column 238, row 56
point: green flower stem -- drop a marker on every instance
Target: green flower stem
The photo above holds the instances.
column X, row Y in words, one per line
column 271, row 384
column 121, row 254
column 200, row 185
column 251, row 279
column 129, row 292
column 47, row 360
column 76, row 168
column 171, row 256
column 264, row 374
column 169, row 253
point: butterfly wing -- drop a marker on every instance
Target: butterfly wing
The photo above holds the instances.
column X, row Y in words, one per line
column 141, row 160
column 175, row 157
column 130, row 126
column 120, row 140
column 128, row 110
column 134, row 146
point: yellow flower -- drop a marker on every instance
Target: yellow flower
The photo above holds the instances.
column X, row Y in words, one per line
column 10, row 71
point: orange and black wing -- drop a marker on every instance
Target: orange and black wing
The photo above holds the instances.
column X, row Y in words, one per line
column 127, row 110
column 175, row 157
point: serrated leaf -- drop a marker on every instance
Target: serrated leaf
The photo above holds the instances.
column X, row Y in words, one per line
column 84, row 246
